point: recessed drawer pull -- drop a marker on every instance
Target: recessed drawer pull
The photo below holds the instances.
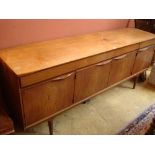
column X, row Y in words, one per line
column 62, row 77
column 120, row 57
column 103, row 63
column 146, row 48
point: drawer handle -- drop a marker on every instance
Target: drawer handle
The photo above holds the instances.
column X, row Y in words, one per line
column 145, row 48
column 63, row 77
column 120, row 57
column 103, row 63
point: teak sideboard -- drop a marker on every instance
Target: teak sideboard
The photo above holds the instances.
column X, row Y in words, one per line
column 44, row 79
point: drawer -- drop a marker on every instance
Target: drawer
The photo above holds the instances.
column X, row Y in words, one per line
column 147, row 43
column 45, row 99
column 121, row 67
column 143, row 59
column 91, row 80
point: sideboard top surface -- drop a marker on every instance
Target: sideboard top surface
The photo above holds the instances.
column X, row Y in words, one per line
column 34, row 57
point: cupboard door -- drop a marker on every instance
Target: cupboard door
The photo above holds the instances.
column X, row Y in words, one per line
column 121, row 67
column 92, row 79
column 43, row 100
column 143, row 59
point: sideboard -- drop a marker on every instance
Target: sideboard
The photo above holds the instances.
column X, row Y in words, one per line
column 41, row 80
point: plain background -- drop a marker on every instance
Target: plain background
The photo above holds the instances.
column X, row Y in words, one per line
column 15, row 32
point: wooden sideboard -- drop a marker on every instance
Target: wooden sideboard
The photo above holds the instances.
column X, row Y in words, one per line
column 44, row 79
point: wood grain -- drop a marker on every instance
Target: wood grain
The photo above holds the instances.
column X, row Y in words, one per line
column 38, row 56
column 47, row 98
column 121, row 67
column 36, row 62
column 46, row 74
column 143, row 59
column 91, row 79
column 147, row 43
column 77, row 103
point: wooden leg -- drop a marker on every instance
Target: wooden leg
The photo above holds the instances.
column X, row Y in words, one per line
column 145, row 74
column 50, row 126
column 135, row 82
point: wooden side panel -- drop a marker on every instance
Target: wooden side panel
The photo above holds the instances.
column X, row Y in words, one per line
column 11, row 92
column 91, row 80
column 45, row 99
column 143, row 59
column 121, row 67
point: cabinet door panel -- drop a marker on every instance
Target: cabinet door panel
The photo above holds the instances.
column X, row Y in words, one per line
column 121, row 67
column 92, row 79
column 143, row 59
column 45, row 99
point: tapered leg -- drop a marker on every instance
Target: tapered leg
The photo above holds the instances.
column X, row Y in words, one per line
column 145, row 74
column 50, row 126
column 135, row 81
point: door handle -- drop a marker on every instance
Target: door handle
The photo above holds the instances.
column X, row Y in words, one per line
column 120, row 57
column 145, row 48
column 103, row 63
column 63, row 77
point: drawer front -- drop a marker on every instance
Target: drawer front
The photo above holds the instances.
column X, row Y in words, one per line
column 147, row 43
column 143, row 59
column 91, row 80
column 121, row 67
column 43, row 100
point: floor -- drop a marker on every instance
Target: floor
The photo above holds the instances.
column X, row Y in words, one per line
column 104, row 114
